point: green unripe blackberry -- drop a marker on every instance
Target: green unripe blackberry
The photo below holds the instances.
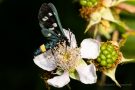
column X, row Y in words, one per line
column 83, row 2
column 88, row 3
column 114, row 58
column 102, row 56
column 99, row 59
column 110, row 46
column 103, row 63
column 109, row 61
column 109, row 65
column 105, row 52
column 114, row 53
column 108, row 55
column 109, row 49
column 103, row 47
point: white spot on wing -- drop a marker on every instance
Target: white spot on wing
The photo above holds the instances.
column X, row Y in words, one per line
column 51, row 28
column 54, row 24
column 50, row 14
column 45, row 18
column 49, row 34
column 59, row 34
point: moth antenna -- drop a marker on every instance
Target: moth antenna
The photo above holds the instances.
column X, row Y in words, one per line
column 70, row 34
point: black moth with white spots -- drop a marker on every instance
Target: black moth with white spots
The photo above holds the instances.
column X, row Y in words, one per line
column 51, row 26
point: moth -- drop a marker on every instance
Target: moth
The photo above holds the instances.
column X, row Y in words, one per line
column 51, row 27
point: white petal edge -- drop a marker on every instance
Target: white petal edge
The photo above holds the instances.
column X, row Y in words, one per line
column 59, row 81
column 45, row 61
column 87, row 74
column 71, row 38
column 90, row 48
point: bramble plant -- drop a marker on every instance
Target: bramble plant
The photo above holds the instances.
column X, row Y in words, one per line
column 61, row 57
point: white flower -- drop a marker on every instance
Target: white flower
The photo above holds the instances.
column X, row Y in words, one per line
column 90, row 48
column 68, row 60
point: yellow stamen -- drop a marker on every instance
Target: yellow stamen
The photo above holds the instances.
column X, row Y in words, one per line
column 67, row 58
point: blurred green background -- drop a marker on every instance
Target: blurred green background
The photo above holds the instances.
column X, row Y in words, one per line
column 21, row 36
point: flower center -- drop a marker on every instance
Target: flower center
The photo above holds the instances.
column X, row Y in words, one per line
column 67, row 58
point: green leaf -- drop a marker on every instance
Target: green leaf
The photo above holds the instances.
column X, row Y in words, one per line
column 128, row 49
column 129, row 21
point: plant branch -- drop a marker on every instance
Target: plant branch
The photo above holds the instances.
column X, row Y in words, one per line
column 115, row 36
column 103, row 79
column 126, row 7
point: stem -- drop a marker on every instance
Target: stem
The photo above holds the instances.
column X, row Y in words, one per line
column 115, row 36
column 127, row 7
column 47, row 86
column 45, row 78
column 95, row 32
column 103, row 79
column 68, row 86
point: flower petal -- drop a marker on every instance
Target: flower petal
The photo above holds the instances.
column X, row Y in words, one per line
column 71, row 38
column 45, row 61
column 90, row 48
column 87, row 74
column 74, row 74
column 59, row 81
